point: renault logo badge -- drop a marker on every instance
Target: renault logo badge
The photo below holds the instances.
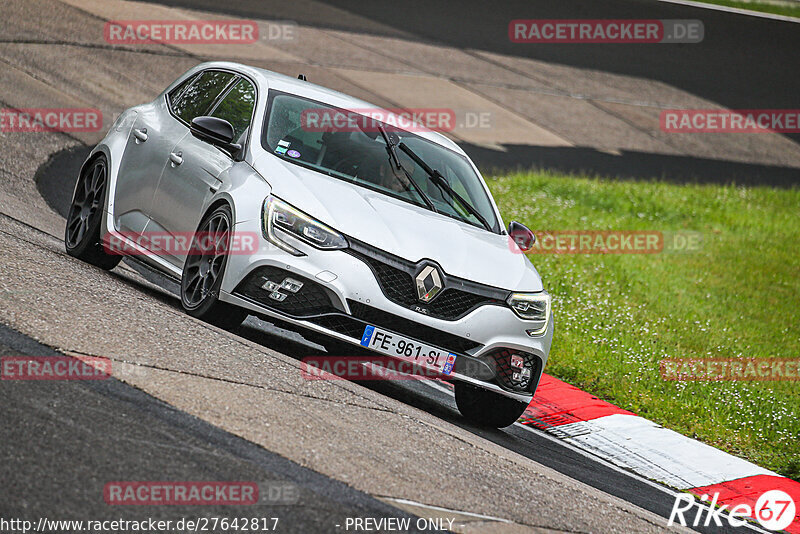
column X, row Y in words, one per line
column 429, row 283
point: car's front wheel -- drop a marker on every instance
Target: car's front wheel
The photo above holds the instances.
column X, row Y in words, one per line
column 486, row 408
column 203, row 270
column 82, row 234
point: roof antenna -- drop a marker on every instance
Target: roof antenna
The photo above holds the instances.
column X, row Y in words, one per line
column 302, row 77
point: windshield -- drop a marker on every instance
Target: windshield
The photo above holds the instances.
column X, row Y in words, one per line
column 349, row 146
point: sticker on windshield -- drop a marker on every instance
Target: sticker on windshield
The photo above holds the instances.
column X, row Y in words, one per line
column 281, row 150
column 283, row 143
column 293, row 154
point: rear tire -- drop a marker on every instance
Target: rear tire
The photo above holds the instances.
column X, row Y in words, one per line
column 82, row 233
column 487, row 408
column 202, row 273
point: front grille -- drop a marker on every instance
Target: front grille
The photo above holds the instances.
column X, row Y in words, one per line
column 454, row 303
column 311, row 299
column 396, row 284
column 505, row 373
column 396, row 279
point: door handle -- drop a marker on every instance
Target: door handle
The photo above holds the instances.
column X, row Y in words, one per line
column 176, row 158
column 140, row 135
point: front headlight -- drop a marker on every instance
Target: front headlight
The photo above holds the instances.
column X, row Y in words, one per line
column 534, row 307
column 280, row 218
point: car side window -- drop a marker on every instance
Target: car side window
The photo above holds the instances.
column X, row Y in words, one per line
column 174, row 96
column 237, row 107
column 198, row 98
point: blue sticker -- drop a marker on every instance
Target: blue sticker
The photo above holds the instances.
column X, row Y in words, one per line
column 367, row 335
column 448, row 365
column 281, row 150
column 293, row 154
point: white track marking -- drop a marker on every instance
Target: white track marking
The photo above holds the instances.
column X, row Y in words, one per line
column 659, row 453
column 672, row 493
column 738, row 11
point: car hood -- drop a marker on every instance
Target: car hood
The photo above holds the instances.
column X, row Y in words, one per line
column 400, row 228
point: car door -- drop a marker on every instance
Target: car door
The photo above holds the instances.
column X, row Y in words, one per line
column 153, row 135
column 196, row 169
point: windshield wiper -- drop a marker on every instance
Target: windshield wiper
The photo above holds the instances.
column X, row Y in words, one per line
column 390, row 148
column 441, row 183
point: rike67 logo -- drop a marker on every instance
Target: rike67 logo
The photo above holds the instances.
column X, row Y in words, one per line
column 774, row 510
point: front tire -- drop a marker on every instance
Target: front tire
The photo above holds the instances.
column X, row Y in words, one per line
column 202, row 273
column 487, row 408
column 82, row 237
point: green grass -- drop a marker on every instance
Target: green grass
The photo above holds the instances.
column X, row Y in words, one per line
column 788, row 9
column 618, row 315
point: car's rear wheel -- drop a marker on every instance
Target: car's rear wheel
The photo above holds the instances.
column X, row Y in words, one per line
column 82, row 234
column 203, row 270
column 487, row 408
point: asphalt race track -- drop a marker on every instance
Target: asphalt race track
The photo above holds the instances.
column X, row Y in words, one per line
column 189, row 401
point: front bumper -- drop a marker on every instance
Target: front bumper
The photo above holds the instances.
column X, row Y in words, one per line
column 341, row 296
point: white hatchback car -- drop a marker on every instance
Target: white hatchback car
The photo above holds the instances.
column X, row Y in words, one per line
column 367, row 236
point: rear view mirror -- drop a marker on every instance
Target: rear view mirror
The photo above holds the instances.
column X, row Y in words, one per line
column 521, row 235
column 216, row 131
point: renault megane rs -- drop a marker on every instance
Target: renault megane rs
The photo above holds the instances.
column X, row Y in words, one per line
column 366, row 235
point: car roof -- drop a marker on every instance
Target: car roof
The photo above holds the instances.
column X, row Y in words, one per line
column 288, row 84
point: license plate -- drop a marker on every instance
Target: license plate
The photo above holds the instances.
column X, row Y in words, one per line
column 408, row 349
